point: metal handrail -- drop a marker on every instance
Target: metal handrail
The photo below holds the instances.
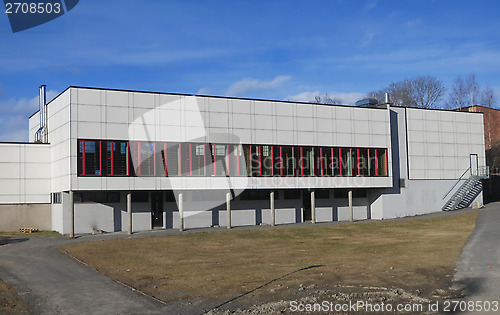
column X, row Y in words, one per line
column 458, row 181
column 483, row 171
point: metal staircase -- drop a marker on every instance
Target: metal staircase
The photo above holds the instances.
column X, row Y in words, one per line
column 469, row 190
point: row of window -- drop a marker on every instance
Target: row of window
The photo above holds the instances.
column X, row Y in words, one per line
column 141, row 158
column 249, row 194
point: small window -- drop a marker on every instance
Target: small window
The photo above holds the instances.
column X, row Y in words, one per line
column 340, row 193
column 140, row 196
column 292, row 194
column 343, row 193
column 113, row 197
column 322, row 194
column 56, row 198
column 257, row 194
column 170, row 196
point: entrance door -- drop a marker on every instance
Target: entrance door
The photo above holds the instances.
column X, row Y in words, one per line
column 157, row 209
column 306, row 200
column 473, row 164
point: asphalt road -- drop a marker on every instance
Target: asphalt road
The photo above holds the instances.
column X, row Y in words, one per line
column 53, row 283
column 479, row 265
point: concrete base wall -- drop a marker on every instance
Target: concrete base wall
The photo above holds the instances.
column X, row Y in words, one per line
column 418, row 197
column 14, row 217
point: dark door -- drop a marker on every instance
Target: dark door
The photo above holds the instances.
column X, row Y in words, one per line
column 157, row 209
column 306, row 199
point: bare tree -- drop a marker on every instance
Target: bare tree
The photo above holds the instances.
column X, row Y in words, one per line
column 421, row 92
column 464, row 92
column 487, row 97
column 427, row 91
column 327, row 99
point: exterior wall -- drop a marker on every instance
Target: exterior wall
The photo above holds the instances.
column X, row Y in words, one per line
column 33, row 126
column 440, row 142
column 25, row 216
column 136, row 116
column 113, row 217
column 422, row 139
column 59, row 138
column 25, row 173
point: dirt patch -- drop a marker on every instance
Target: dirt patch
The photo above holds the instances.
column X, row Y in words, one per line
column 10, row 301
column 267, row 268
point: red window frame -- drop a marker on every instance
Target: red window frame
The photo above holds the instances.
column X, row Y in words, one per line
column 110, row 155
column 318, row 167
column 83, row 158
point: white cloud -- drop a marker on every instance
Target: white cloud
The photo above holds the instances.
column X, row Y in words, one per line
column 308, row 96
column 413, row 23
column 15, row 114
column 366, row 40
column 371, row 4
column 252, row 85
column 204, row 91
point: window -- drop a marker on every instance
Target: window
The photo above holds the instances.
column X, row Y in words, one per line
column 141, row 158
column 56, row 198
column 337, row 169
column 235, row 159
column 140, row 196
column 323, row 162
column 198, row 159
column 277, row 161
column 173, row 159
column 343, row 193
column 220, row 160
column 97, row 196
column 292, row 194
column 113, row 197
column 256, row 194
column 346, row 162
column 117, row 158
column 362, row 164
column 267, row 160
column 322, row 194
column 89, row 158
column 381, row 162
column 247, row 153
column 170, row 197
column 306, row 161
column 288, row 160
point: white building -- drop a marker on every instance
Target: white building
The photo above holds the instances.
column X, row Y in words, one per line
column 90, row 148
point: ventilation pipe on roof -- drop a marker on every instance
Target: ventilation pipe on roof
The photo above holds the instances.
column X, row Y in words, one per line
column 41, row 134
column 387, row 98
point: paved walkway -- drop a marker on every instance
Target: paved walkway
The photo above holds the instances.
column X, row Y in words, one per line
column 479, row 265
column 53, row 283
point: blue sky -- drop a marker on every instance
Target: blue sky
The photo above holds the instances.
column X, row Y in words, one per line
column 257, row 49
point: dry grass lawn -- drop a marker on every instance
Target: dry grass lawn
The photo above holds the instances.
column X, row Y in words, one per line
column 414, row 254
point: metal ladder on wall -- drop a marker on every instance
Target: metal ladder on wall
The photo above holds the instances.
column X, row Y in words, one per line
column 469, row 190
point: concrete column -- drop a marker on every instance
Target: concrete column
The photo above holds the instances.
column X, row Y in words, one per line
column 71, row 215
column 351, row 211
column 228, row 210
column 273, row 211
column 129, row 212
column 181, row 213
column 313, row 208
